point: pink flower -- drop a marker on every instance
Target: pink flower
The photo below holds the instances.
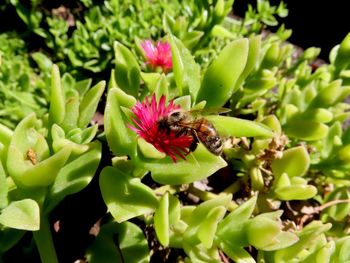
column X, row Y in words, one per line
column 147, row 119
column 159, row 55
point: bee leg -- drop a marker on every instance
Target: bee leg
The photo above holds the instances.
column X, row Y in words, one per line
column 193, row 145
column 195, row 141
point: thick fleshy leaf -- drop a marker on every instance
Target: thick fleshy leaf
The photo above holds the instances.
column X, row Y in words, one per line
column 72, row 111
column 57, row 101
column 321, row 255
column 306, row 237
column 296, row 192
column 330, row 142
column 83, row 86
column 231, row 126
column 207, row 229
column 151, row 79
column 338, row 211
column 29, row 162
column 342, row 250
column 126, row 197
column 119, row 243
column 261, row 231
column 148, row 150
column 127, row 70
column 343, row 53
column 161, row 220
column 3, row 188
column 204, row 220
column 23, row 214
column 295, row 162
column 74, row 176
column 5, row 135
column 311, row 131
column 319, row 115
column 59, row 141
column 186, row 70
column 89, row 104
column 252, row 60
column 9, row 237
column 5, row 139
column 121, row 139
column 221, row 76
column 283, row 240
column 197, row 166
column 191, row 39
column 238, row 254
column 230, row 229
column 161, row 87
column 327, row 95
column 44, row 63
column 43, row 173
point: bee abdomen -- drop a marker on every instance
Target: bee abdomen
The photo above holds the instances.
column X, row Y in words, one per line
column 214, row 144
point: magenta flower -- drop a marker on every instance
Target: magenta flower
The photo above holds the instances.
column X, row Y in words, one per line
column 158, row 55
column 147, row 118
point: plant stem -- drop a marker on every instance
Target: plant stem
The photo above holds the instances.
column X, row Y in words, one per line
column 44, row 242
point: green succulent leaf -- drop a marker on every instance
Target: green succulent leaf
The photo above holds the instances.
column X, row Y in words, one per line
column 207, row 229
column 322, row 254
column 148, row 150
column 338, row 211
column 342, row 248
column 343, row 54
column 119, row 243
column 312, row 130
column 296, row 192
column 238, row 254
column 231, row 126
column 89, row 104
column 23, row 214
column 295, row 162
column 186, row 70
column 192, row 38
column 306, row 237
column 318, row 115
column 57, row 102
column 198, row 165
column 283, row 240
column 261, row 232
column 162, row 87
column 3, row 188
column 230, row 229
column 327, row 95
column 44, row 62
column 75, row 175
column 151, row 80
column 83, row 86
column 9, row 237
column 29, row 163
column 126, row 197
column 5, row 135
column 121, row 139
column 127, row 70
column 161, row 221
column 204, row 220
column 72, row 110
column 252, row 60
column 221, row 76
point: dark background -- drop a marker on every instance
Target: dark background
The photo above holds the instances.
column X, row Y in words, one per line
column 316, row 23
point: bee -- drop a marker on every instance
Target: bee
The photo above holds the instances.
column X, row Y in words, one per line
column 183, row 122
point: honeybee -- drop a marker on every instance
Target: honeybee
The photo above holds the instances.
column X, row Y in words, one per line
column 183, row 122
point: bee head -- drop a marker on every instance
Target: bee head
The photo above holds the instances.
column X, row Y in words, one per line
column 176, row 116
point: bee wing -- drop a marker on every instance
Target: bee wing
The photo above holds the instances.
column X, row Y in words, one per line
column 208, row 111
